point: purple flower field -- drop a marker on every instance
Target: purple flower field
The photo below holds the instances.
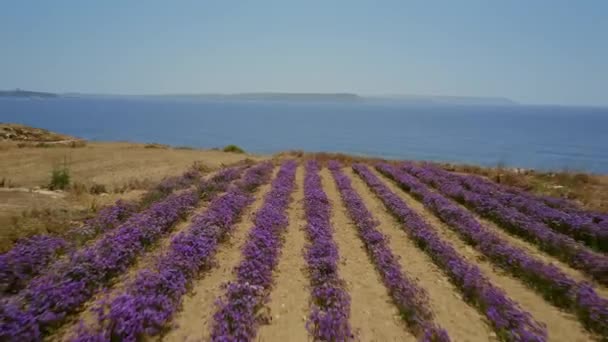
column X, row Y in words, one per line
column 262, row 252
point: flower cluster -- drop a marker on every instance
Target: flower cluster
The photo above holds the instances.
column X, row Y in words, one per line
column 47, row 299
column 26, row 259
column 328, row 320
column 561, row 204
column 411, row 300
column 31, row 256
column 236, row 318
column 510, row 322
column 545, row 278
column 170, row 184
column 149, row 302
column 581, row 226
column 563, row 247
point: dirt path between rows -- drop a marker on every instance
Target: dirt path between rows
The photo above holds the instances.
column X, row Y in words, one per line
column 373, row 316
column 561, row 326
column 193, row 321
column 289, row 299
column 535, row 251
column 445, row 300
column 145, row 259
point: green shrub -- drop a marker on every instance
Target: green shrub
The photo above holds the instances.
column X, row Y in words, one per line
column 234, row 149
column 60, row 178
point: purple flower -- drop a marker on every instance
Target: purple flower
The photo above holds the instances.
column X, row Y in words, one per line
column 149, row 302
column 328, row 320
column 235, row 319
column 509, row 321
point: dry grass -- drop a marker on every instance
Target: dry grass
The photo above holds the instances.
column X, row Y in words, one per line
column 100, row 173
column 589, row 190
column 111, row 164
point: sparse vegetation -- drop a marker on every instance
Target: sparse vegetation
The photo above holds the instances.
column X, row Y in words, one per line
column 97, row 189
column 233, row 149
column 60, row 178
column 6, row 183
column 155, row 145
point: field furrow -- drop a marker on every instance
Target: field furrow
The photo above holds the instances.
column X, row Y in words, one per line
column 373, row 316
column 50, row 299
column 152, row 295
column 31, row 256
column 289, row 300
column 239, row 309
column 314, row 247
column 192, row 322
column 506, row 317
column 582, row 226
column 330, row 308
column 554, row 285
column 561, row 325
column 444, row 298
column 561, row 246
column 89, row 313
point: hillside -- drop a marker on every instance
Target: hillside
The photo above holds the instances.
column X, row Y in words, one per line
column 26, row 94
column 17, row 132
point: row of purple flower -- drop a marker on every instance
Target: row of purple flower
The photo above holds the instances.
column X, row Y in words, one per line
column 236, row 318
column 328, row 319
column 559, row 245
column 149, row 302
column 509, row 321
column 411, row 300
column 547, row 279
column 581, row 226
column 48, row 299
column 31, row 256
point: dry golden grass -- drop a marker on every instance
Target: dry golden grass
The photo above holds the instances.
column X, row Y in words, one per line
column 111, row 164
column 588, row 190
column 122, row 170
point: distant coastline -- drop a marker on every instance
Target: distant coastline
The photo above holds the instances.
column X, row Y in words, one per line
column 282, row 96
column 18, row 93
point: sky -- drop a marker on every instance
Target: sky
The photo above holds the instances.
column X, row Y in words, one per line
column 531, row 51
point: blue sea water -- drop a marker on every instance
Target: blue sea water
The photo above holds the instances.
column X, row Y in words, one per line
column 543, row 137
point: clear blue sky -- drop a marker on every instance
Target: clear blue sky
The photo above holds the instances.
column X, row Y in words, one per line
column 549, row 51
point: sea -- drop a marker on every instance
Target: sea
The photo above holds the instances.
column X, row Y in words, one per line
column 557, row 138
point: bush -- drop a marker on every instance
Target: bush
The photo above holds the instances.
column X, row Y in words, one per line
column 234, row 149
column 60, row 178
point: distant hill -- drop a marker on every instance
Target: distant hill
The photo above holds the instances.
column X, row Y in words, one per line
column 318, row 97
column 278, row 96
column 441, row 99
column 329, row 97
column 25, row 94
column 18, row 132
